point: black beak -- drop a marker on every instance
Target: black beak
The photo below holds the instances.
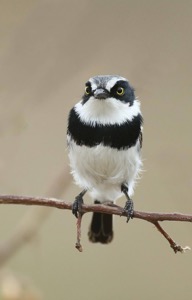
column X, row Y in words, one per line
column 101, row 94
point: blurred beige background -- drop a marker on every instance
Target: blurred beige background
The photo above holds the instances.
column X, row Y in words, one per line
column 48, row 50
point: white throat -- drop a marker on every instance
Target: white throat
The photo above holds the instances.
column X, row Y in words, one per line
column 109, row 111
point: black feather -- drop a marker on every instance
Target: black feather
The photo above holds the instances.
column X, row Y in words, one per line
column 101, row 228
column 116, row 136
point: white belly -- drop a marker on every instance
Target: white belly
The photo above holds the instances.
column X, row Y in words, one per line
column 102, row 170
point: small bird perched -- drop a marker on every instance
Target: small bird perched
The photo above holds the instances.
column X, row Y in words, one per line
column 104, row 138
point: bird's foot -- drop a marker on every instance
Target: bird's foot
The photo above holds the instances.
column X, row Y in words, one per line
column 129, row 207
column 77, row 204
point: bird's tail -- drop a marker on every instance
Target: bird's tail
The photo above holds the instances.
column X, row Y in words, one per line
column 101, row 228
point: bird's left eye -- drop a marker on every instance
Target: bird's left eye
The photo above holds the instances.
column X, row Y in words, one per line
column 87, row 90
column 120, row 91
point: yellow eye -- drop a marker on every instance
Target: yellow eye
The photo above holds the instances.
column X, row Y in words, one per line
column 87, row 90
column 120, row 91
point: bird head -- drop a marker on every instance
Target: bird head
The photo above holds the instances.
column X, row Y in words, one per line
column 104, row 87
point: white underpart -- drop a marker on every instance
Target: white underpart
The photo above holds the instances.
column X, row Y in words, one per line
column 101, row 170
column 108, row 111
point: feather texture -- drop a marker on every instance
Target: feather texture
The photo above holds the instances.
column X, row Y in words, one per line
column 104, row 141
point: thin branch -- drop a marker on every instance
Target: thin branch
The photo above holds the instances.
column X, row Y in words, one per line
column 176, row 248
column 78, row 245
column 151, row 217
column 107, row 209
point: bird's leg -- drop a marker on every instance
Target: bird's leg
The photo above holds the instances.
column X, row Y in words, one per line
column 77, row 204
column 129, row 208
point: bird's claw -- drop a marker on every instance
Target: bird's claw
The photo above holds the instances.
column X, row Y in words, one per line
column 128, row 209
column 77, row 205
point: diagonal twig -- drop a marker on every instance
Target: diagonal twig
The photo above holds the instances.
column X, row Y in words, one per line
column 176, row 248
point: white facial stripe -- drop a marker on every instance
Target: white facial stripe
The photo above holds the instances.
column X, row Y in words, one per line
column 93, row 84
column 109, row 111
column 105, row 81
column 112, row 82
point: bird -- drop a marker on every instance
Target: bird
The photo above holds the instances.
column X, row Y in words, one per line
column 104, row 141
